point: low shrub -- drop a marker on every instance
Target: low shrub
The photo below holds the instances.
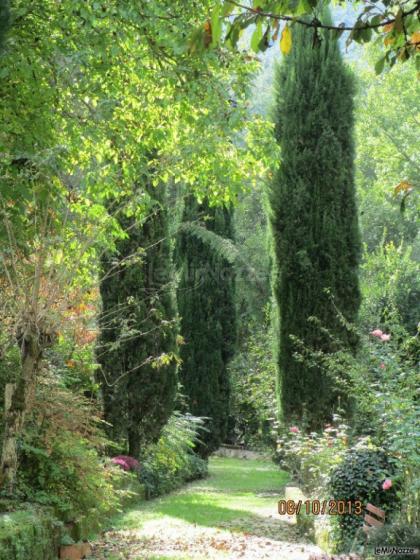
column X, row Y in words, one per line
column 253, row 394
column 385, row 387
column 170, row 462
column 310, row 457
column 61, row 463
column 29, row 534
column 397, row 534
column 364, row 475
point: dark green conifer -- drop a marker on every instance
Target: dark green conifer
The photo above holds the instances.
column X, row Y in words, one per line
column 138, row 329
column 4, row 19
column 314, row 219
column 208, row 324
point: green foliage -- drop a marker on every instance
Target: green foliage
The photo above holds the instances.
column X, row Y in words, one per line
column 29, row 534
column 4, row 19
column 137, row 346
column 313, row 221
column 123, row 87
column 9, row 365
column 390, row 281
column 253, row 290
column 170, row 462
column 387, row 157
column 397, row 26
column 253, row 397
column 310, row 459
column 208, row 321
column 393, row 534
column 385, row 388
column 382, row 384
column 360, row 477
column 60, row 459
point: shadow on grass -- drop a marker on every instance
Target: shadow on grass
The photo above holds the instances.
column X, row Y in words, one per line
column 208, row 514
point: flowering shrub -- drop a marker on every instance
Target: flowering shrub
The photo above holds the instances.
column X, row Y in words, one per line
column 381, row 382
column 381, row 335
column 310, row 457
column 365, row 474
column 126, row 462
column 385, row 387
column 387, row 484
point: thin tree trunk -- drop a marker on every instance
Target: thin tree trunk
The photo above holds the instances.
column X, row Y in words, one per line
column 134, row 444
column 18, row 400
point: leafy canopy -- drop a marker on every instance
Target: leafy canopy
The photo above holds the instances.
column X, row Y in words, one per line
column 394, row 26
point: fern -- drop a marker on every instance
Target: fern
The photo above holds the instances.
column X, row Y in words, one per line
column 224, row 248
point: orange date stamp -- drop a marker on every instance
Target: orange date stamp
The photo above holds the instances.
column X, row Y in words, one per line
column 320, row 507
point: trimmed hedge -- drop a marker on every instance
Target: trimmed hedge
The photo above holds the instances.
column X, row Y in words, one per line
column 30, row 534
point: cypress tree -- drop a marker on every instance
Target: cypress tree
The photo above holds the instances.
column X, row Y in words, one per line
column 4, row 19
column 138, row 326
column 313, row 220
column 208, row 322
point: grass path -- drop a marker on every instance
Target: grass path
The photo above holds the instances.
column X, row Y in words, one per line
column 232, row 514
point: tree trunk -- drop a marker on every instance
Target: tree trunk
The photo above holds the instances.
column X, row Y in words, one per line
column 18, row 400
column 134, row 444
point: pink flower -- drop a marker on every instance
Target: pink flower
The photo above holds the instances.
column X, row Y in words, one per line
column 385, row 337
column 387, row 484
column 294, row 429
column 126, row 463
column 377, row 332
column 382, row 366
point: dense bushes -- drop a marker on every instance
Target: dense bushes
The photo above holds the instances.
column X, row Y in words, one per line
column 361, row 477
column 352, row 462
column 171, row 461
column 61, row 461
column 30, row 534
column 311, row 457
column 396, row 534
column 391, row 286
column 253, row 397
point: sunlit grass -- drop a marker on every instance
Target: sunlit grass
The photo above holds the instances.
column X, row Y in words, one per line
column 230, row 492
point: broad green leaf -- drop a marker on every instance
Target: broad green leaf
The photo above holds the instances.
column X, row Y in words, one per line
column 227, row 8
column 303, row 7
column 216, row 26
column 233, row 34
column 257, row 36
column 379, row 66
column 286, row 40
column 264, row 43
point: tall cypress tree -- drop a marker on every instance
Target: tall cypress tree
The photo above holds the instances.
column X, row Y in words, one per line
column 314, row 220
column 208, row 321
column 138, row 325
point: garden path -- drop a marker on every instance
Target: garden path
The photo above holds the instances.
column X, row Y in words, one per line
column 232, row 514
